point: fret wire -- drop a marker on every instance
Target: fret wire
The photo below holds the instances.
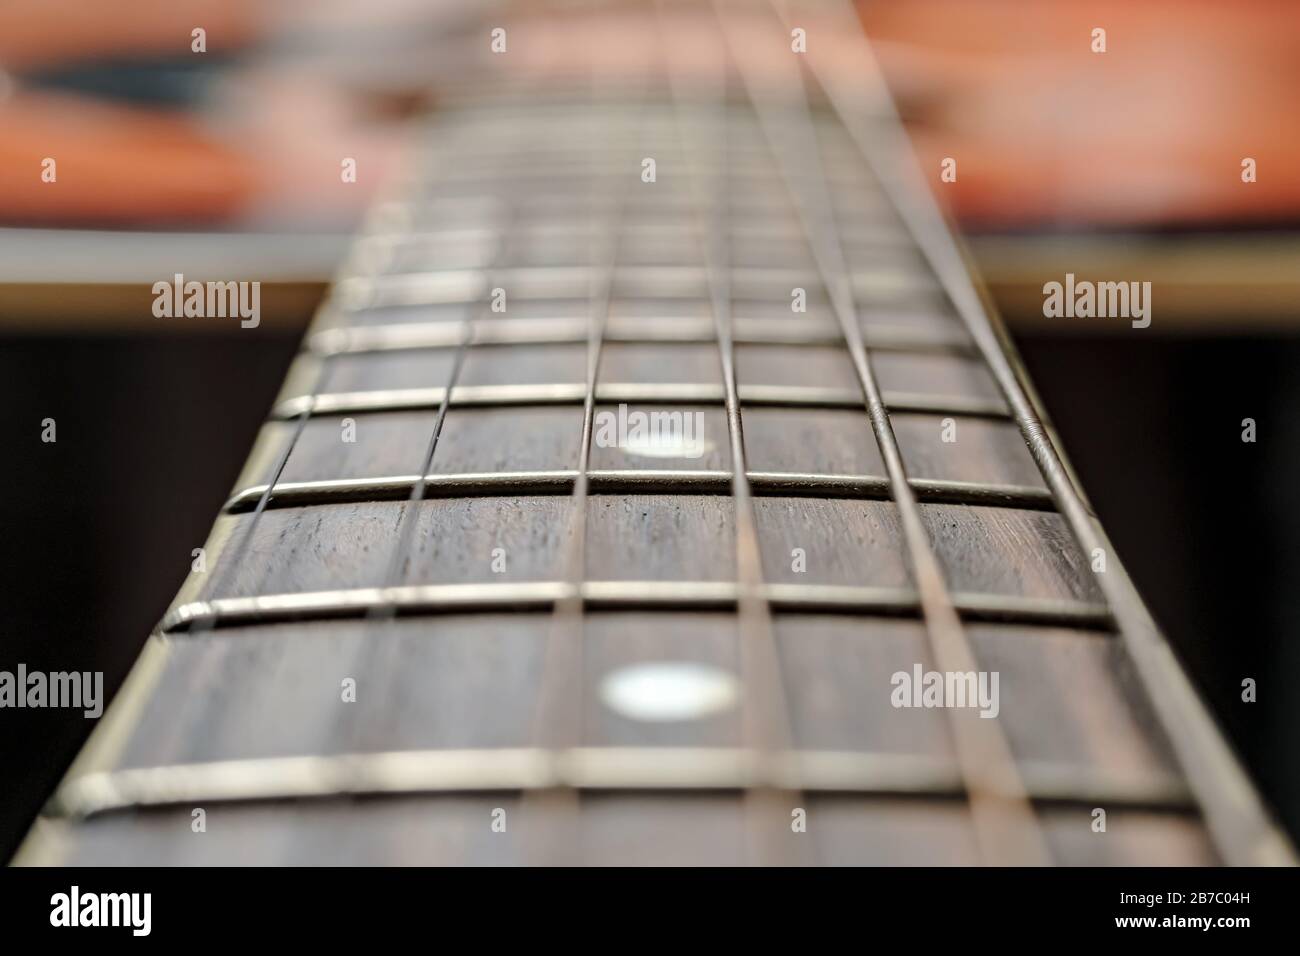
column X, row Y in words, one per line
column 557, row 283
column 381, row 269
column 499, row 396
column 530, row 770
column 433, row 599
column 1242, row 828
column 765, row 710
column 420, row 336
column 604, row 481
column 882, row 234
column 1006, row 827
column 567, row 227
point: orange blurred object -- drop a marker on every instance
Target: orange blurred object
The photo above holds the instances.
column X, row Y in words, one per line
column 1152, row 132
column 114, row 164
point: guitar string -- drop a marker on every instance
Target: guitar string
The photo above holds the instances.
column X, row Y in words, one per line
column 409, row 516
column 562, row 682
column 1006, row 828
column 767, row 724
column 1242, row 827
column 229, row 564
column 386, row 658
column 407, row 523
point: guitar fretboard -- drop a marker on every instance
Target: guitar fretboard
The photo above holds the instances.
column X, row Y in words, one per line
column 651, row 431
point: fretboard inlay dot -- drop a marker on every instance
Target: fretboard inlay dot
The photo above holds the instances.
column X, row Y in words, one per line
column 669, row 691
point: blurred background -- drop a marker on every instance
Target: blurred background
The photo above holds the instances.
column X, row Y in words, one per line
column 224, row 163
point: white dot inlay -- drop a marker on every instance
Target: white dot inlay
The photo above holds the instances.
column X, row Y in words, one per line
column 669, row 690
column 666, row 445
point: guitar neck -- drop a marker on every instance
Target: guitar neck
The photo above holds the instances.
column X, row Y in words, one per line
column 655, row 486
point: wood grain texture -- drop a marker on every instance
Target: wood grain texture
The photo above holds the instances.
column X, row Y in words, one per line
column 382, row 445
column 984, row 450
column 461, row 681
column 934, row 374
column 844, row 541
column 419, row 368
column 661, row 537
column 661, row 364
column 350, row 545
column 998, row 551
column 822, row 441
column 493, row 440
column 1007, row 551
column 1065, row 696
column 524, row 365
column 836, row 671
column 807, row 366
column 473, row 440
column 1070, row 697
column 509, row 439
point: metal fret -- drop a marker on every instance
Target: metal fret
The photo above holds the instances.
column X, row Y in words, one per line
column 568, row 331
column 392, row 231
column 580, row 769
column 764, row 707
column 490, row 396
column 611, row 595
column 454, row 286
column 559, row 708
column 603, row 481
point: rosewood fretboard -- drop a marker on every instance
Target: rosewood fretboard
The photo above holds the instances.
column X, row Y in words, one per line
column 432, row 568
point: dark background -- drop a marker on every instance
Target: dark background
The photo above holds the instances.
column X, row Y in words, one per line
column 96, row 530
